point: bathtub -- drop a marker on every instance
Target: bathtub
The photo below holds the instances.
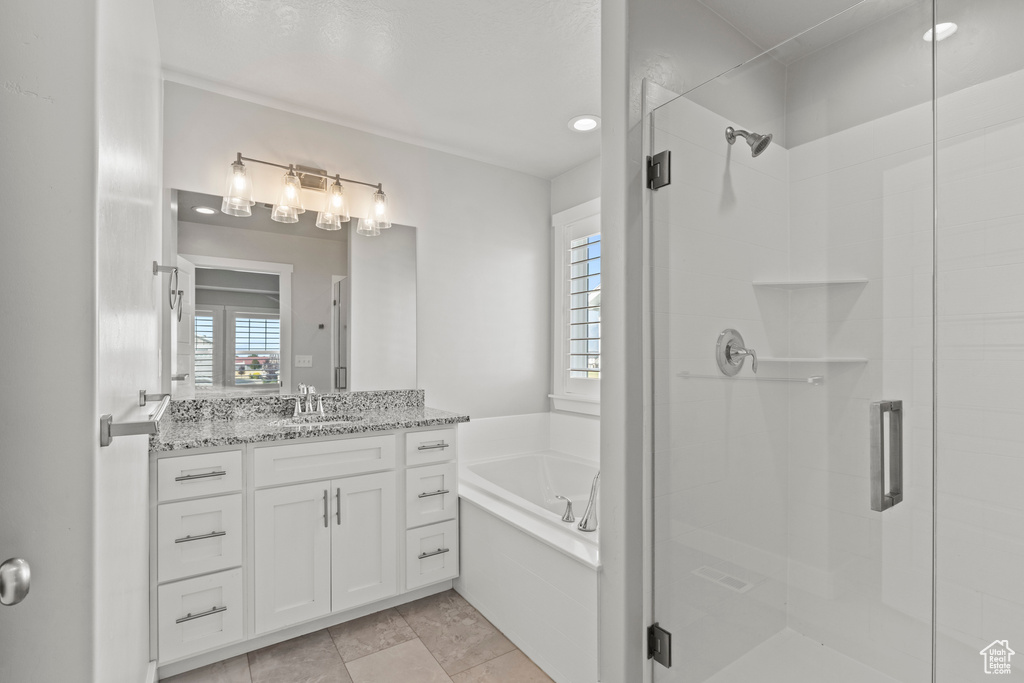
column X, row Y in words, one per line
column 531, row 574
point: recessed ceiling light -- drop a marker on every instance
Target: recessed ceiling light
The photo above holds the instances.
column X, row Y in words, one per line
column 942, row 31
column 585, row 124
column 206, row 210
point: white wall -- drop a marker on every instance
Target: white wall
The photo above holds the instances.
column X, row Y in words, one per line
column 128, row 204
column 576, row 186
column 81, row 87
column 314, row 261
column 482, row 238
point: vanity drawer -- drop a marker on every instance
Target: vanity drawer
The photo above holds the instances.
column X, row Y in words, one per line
column 205, row 474
column 431, row 554
column 434, row 445
column 198, row 536
column 323, row 459
column 430, row 494
column 199, row 614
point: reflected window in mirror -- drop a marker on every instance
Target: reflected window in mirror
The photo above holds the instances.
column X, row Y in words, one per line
column 237, row 348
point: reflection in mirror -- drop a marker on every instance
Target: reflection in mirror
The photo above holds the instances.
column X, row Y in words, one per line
column 272, row 305
column 237, row 331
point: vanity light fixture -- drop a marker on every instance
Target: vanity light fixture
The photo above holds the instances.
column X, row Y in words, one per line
column 585, row 124
column 335, row 211
column 367, row 227
column 238, row 199
column 942, row 31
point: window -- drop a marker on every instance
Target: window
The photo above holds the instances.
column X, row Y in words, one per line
column 257, row 343
column 585, row 307
column 237, row 348
column 576, row 359
column 204, row 349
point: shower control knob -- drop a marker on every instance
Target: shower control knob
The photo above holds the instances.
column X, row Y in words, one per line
column 730, row 353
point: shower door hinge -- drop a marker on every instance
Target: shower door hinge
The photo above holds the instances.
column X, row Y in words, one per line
column 659, row 170
column 659, row 646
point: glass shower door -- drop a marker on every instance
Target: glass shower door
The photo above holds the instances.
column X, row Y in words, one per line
column 791, row 362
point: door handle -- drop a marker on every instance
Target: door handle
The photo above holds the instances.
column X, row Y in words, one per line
column 15, row 577
column 881, row 499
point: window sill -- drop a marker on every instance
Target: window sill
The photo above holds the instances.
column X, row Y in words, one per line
column 576, row 404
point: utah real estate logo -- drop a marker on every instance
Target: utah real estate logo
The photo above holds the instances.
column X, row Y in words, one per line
column 997, row 657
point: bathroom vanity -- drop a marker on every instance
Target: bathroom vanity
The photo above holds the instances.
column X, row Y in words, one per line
column 266, row 526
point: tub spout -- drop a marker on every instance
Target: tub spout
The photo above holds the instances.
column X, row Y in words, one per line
column 589, row 521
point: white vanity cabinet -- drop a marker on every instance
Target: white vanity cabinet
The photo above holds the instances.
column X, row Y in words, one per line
column 293, row 535
column 323, row 547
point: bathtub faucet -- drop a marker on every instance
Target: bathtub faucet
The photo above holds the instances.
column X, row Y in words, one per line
column 589, row 521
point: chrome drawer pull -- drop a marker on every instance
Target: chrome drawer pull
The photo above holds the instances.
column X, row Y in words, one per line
column 212, row 534
column 205, row 475
column 439, row 551
column 190, row 616
column 439, row 492
column 434, row 446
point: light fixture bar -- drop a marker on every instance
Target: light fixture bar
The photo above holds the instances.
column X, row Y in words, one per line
column 378, row 186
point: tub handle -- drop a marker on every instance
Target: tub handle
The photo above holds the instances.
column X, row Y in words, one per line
column 439, row 492
column 439, row 551
column 568, row 516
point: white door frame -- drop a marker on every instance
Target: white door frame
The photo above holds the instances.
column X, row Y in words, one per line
column 284, row 273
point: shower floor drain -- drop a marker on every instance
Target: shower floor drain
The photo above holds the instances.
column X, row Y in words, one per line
column 722, row 579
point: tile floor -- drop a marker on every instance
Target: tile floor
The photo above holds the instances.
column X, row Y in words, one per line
column 438, row 639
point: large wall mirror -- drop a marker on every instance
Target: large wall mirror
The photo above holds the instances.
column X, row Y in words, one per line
column 266, row 306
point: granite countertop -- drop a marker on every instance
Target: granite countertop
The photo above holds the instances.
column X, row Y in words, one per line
column 205, row 423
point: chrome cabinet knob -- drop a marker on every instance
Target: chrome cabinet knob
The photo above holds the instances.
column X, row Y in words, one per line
column 15, row 576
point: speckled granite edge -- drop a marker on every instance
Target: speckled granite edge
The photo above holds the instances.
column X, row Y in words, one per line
column 281, row 405
column 227, row 421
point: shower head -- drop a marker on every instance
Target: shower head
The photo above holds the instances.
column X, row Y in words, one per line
column 758, row 143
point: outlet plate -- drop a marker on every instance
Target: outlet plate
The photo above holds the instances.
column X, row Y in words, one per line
column 303, row 361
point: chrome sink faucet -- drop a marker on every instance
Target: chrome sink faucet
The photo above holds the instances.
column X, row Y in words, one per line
column 309, row 391
column 589, row 520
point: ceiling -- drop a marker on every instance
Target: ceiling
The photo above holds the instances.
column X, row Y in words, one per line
column 493, row 81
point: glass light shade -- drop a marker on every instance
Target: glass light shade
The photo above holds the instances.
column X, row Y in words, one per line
column 335, row 211
column 291, row 193
column 238, row 196
column 368, row 227
column 379, row 212
column 284, row 214
column 328, row 221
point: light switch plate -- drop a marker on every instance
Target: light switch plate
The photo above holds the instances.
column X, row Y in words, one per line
column 303, row 361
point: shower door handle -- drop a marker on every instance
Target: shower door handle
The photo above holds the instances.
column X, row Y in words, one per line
column 881, row 499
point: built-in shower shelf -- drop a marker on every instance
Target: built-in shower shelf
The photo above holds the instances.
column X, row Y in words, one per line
column 805, row 284
column 830, row 360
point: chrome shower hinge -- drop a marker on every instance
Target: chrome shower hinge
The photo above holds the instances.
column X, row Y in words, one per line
column 659, row 170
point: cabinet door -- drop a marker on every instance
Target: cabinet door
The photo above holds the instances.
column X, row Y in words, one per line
column 363, row 547
column 293, row 554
